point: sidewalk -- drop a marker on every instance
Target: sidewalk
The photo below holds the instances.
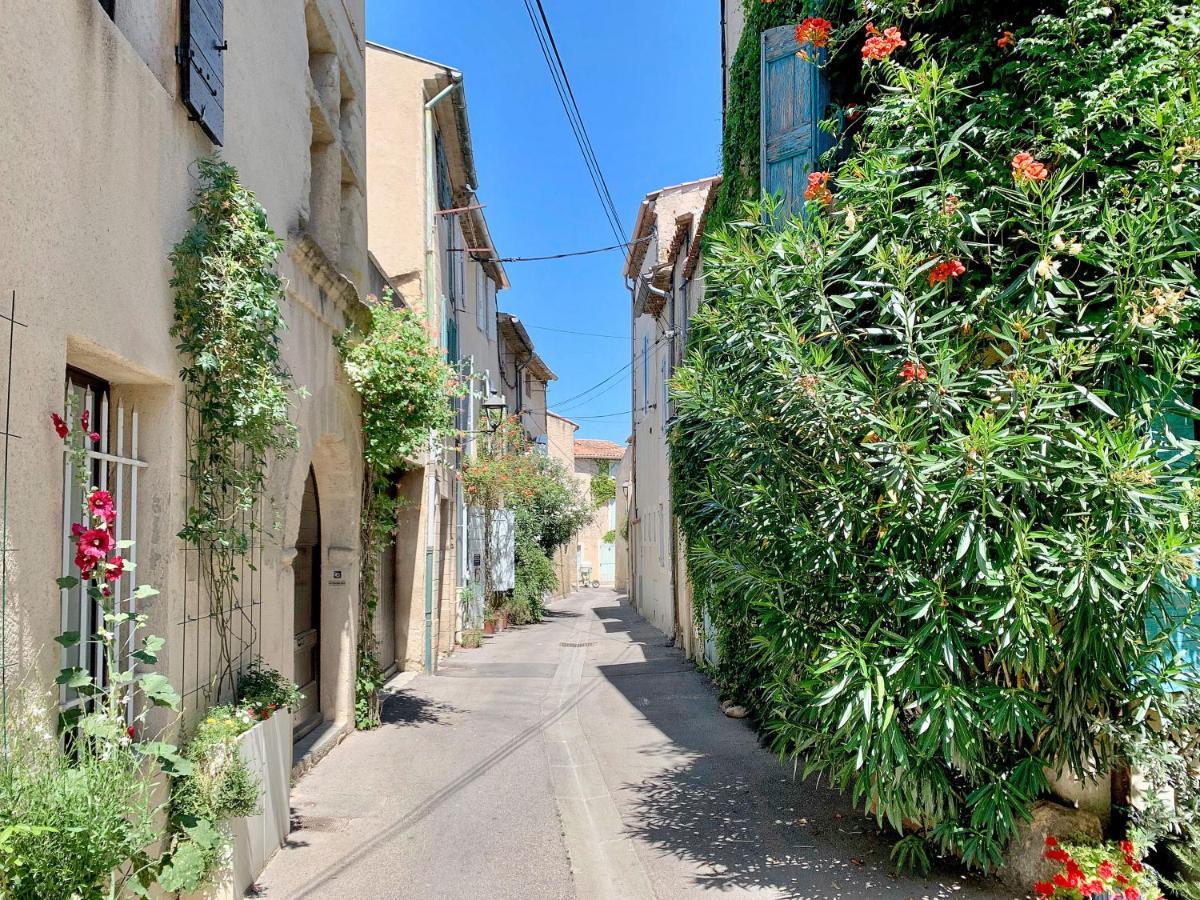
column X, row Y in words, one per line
column 576, row 758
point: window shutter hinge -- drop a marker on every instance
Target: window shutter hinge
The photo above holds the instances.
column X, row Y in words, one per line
column 180, row 55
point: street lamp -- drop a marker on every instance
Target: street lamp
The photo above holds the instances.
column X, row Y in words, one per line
column 495, row 410
column 625, row 485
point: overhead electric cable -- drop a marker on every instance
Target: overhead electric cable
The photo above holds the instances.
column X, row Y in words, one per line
column 625, row 245
column 578, row 114
column 627, row 412
column 614, row 337
column 553, row 59
column 561, row 403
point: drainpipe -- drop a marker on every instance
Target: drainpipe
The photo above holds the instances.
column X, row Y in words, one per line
column 433, row 314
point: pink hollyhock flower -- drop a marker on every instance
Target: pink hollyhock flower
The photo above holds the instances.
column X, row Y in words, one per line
column 116, row 568
column 100, row 504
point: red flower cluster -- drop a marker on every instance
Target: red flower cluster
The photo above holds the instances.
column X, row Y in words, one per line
column 1006, row 40
column 1074, row 882
column 818, row 188
column 814, row 31
column 913, row 371
column 945, row 270
column 882, row 45
column 1026, row 169
column 94, row 541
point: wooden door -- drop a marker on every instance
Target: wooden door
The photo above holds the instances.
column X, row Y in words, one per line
column 385, row 612
column 795, row 98
column 307, row 570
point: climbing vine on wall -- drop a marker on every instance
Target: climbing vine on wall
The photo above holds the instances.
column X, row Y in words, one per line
column 407, row 393
column 604, row 486
column 228, row 320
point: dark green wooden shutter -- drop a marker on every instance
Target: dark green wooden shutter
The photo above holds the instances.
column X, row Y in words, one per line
column 202, row 64
column 795, row 97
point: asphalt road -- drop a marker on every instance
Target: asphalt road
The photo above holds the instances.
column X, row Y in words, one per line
column 578, row 758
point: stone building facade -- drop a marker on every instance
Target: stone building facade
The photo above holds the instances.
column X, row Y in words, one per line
column 665, row 270
column 95, row 186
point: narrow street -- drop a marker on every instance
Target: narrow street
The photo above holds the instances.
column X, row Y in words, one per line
column 577, row 758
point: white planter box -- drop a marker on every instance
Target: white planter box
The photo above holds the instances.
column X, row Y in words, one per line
column 267, row 750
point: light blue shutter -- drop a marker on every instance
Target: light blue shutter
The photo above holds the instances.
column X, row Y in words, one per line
column 1182, row 616
column 645, row 373
column 795, row 97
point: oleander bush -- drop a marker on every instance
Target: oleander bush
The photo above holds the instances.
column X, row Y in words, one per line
column 935, row 438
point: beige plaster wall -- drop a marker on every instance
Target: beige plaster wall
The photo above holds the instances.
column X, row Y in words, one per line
column 94, row 190
column 396, row 160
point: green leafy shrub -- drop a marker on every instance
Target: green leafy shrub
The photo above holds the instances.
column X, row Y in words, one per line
column 71, row 826
column 548, row 509
column 406, row 390
column 604, row 488
column 264, row 691
column 219, row 787
column 933, row 453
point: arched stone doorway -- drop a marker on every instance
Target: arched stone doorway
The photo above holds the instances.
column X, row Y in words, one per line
column 307, row 600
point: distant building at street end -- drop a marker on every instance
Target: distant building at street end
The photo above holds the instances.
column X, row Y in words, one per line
column 596, row 464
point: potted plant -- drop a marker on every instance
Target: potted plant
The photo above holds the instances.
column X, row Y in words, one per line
column 489, row 622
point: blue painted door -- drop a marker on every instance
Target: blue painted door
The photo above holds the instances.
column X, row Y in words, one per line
column 795, row 98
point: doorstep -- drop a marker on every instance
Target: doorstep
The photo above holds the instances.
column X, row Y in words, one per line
column 315, row 746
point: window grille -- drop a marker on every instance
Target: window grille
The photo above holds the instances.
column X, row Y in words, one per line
column 115, row 465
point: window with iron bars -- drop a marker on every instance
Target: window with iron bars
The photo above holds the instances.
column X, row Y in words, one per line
column 114, row 466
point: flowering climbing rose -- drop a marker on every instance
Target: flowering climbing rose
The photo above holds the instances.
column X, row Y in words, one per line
column 944, row 271
column 1026, row 169
column 881, row 45
column 814, row 31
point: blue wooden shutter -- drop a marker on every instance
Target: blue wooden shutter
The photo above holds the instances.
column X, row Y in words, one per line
column 795, row 96
column 1182, row 616
column 202, row 64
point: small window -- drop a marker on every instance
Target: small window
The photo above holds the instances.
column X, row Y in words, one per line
column 113, row 466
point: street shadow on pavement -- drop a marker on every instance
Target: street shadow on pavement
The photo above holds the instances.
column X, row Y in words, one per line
column 404, row 709
column 726, row 806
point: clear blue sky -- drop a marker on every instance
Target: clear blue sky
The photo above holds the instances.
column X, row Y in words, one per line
column 647, row 76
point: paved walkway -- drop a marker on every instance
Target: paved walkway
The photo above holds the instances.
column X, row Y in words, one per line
column 576, row 758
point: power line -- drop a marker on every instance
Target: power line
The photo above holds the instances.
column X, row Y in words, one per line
column 624, row 245
column 579, row 115
column 627, row 412
column 566, row 96
column 561, row 403
column 615, row 337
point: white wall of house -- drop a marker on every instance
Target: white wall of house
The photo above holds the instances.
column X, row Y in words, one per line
column 94, row 192
column 668, row 288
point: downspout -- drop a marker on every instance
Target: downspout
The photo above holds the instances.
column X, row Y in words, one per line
column 433, row 314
